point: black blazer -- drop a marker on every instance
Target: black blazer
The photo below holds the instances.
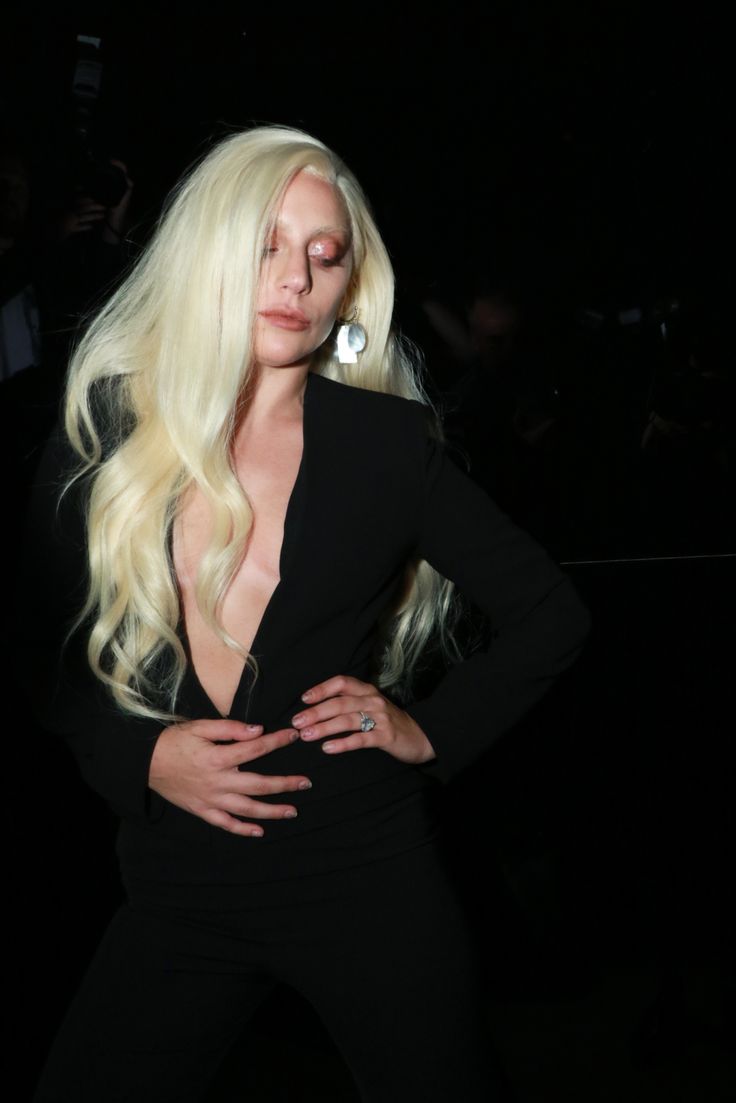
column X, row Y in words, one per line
column 374, row 488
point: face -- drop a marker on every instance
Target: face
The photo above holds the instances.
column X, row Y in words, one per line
column 305, row 274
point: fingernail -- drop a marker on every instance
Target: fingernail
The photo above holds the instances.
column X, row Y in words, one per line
column 328, row 747
column 256, row 833
column 254, row 727
column 307, row 696
column 298, row 719
column 305, row 785
column 290, row 815
column 293, row 736
column 307, row 733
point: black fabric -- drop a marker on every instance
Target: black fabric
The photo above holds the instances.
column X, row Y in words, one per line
column 382, row 953
column 374, row 488
column 347, row 902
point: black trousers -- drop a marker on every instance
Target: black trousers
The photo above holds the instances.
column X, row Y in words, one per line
column 382, row 951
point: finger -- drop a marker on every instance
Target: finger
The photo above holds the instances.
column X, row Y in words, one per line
column 341, row 683
column 258, row 747
column 336, row 706
column 222, row 731
column 261, row 785
column 344, row 710
column 256, row 809
column 234, row 826
column 333, row 706
column 338, row 725
column 357, row 742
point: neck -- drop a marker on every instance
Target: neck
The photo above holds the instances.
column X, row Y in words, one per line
column 275, row 393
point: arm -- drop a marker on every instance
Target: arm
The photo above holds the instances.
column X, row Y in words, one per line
column 538, row 622
column 113, row 751
column 137, row 765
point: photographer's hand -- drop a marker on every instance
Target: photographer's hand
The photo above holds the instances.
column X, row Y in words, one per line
column 116, row 217
column 82, row 216
column 86, row 213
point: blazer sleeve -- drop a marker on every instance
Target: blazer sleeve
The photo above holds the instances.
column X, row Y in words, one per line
column 113, row 750
column 538, row 622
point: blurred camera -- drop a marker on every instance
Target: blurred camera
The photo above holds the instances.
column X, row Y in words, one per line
column 93, row 174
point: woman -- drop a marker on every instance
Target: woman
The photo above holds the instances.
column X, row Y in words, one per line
column 272, row 533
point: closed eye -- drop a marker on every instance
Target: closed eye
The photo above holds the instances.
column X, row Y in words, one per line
column 328, row 262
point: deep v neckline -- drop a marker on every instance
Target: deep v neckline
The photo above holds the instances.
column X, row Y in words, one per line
column 291, row 516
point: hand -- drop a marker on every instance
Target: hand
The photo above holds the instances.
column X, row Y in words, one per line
column 114, row 227
column 87, row 213
column 342, row 700
column 84, row 215
column 191, row 769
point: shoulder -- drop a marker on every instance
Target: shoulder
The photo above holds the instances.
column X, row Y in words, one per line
column 378, row 409
column 364, row 436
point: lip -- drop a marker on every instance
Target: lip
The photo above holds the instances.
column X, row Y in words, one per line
column 285, row 318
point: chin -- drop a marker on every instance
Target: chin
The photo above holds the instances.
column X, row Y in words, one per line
column 283, row 356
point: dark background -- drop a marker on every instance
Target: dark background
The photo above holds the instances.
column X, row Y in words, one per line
column 584, row 143
column 576, row 157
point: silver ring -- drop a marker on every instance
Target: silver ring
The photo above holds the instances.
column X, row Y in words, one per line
column 367, row 723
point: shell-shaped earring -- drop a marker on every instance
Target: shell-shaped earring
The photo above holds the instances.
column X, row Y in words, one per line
column 351, row 340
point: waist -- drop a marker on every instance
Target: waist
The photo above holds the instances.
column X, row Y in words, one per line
column 355, row 828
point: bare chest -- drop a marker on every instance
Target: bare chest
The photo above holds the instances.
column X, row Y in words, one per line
column 267, row 466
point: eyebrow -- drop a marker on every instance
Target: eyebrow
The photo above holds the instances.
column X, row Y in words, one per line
column 343, row 230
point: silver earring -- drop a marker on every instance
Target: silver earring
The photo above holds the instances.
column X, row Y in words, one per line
column 351, row 339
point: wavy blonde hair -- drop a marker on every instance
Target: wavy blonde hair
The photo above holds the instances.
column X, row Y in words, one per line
column 148, row 424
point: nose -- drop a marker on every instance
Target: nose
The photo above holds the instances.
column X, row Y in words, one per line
column 295, row 274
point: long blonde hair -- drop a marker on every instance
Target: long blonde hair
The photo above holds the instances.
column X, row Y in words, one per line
column 148, row 424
